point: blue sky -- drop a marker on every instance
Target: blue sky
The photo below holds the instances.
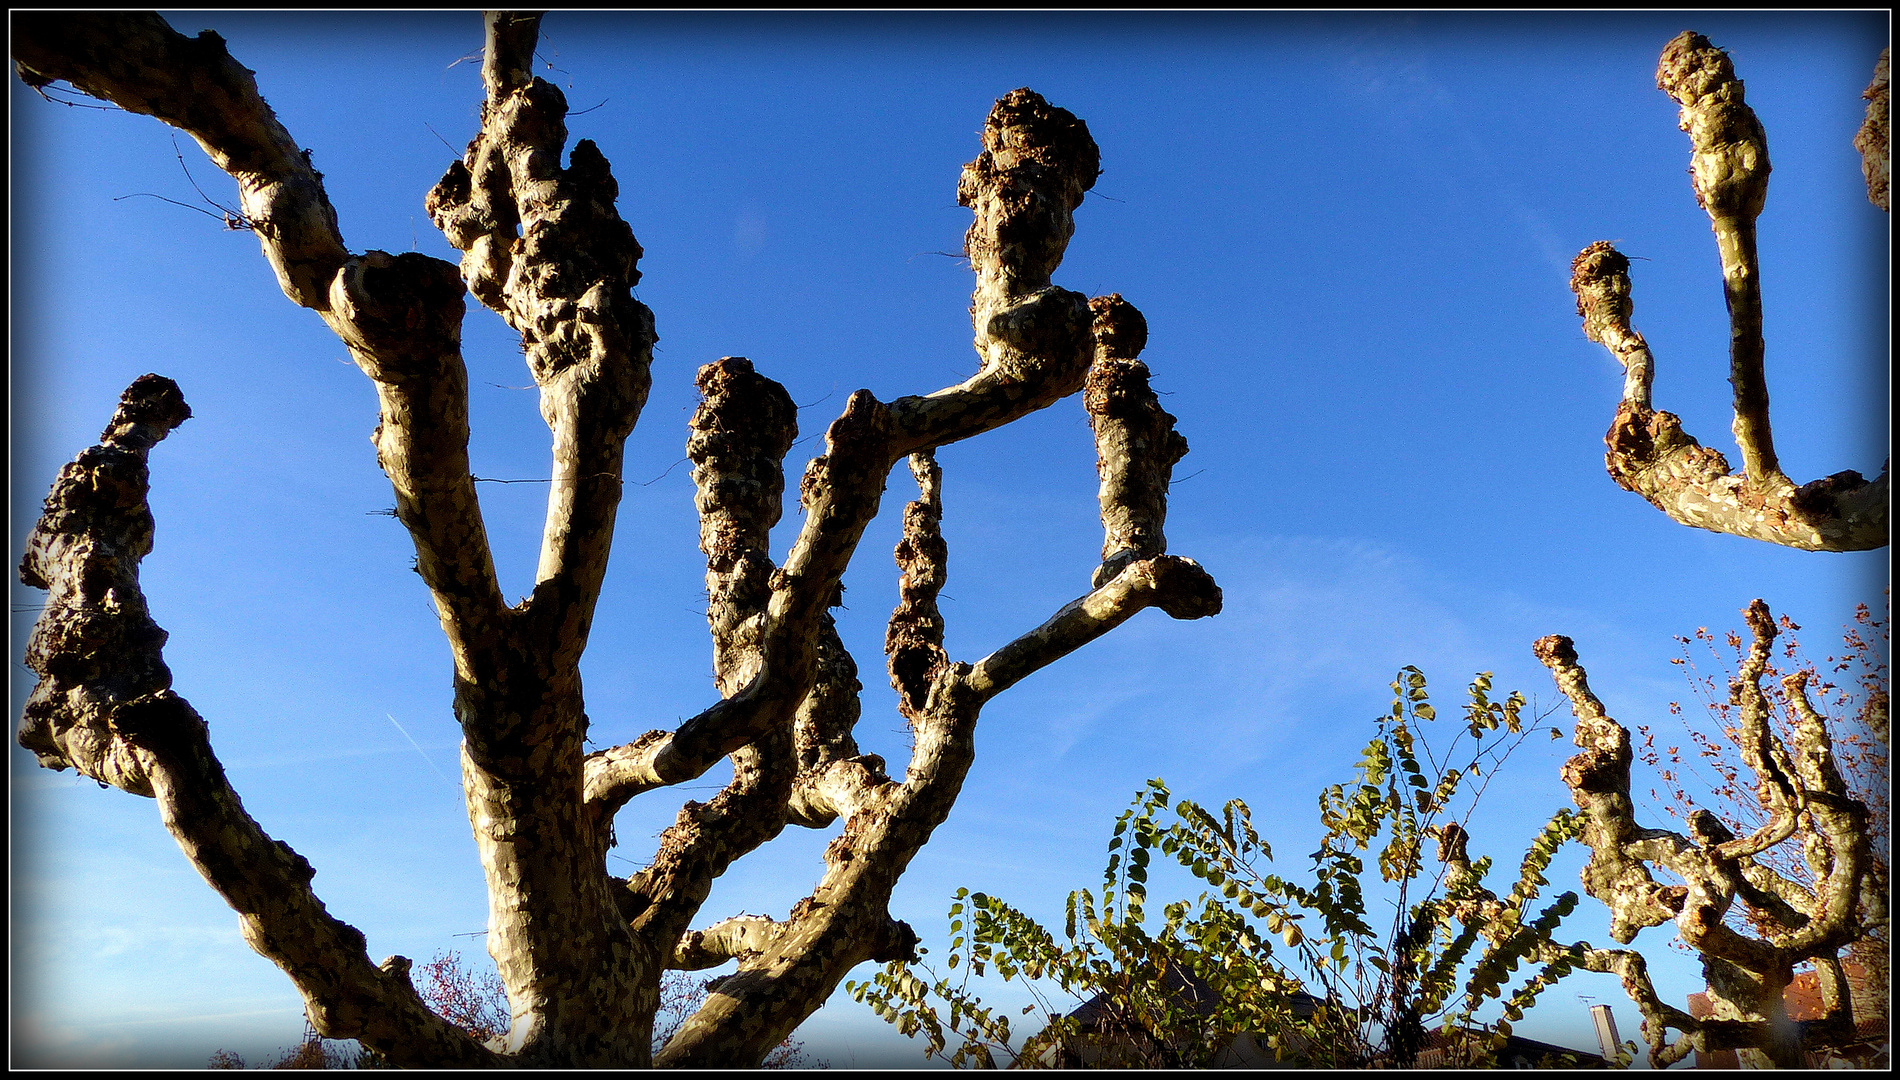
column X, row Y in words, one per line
column 1350, row 235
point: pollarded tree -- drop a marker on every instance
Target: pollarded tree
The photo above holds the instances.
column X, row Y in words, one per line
column 580, row 951
column 1849, row 691
column 1797, row 919
column 1649, row 453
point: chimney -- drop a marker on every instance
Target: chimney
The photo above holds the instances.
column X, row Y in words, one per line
column 1606, row 1031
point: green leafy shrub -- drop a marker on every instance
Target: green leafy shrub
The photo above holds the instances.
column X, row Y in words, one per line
column 1260, row 965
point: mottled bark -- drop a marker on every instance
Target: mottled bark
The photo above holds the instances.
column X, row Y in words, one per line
column 1033, row 337
column 580, row 952
column 1136, row 446
column 913, row 644
column 1649, row 453
column 740, row 435
column 1807, row 802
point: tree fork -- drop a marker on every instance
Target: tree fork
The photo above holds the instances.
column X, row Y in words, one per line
column 580, row 953
column 1805, row 798
column 1649, row 453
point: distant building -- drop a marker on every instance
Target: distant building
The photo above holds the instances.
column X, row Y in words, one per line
column 1441, row 1052
column 1106, row 1037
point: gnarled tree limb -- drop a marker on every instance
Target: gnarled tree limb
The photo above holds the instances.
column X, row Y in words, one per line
column 1806, row 800
column 104, row 706
column 1649, row 453
column 913, row 642
column 888, row 821
column 544, row 247
column 136, row 61
column 1136, row 446
column 581, row 954
column 1473, row 903
column 1872, row 138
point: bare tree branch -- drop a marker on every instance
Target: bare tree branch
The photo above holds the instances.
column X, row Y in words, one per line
column 740, row 435
column 104, row 707
column 1498, row 921
column 1174, row 584
column 136, row 61
column 1805, row 798
column 913, row 641
column 1730, row 168
column 739, row 936
column 580, row 954
column 508, row 54
column 1649, row 453
column 1136, row 446
column 401, row 316
column 545, row 248
column 822, row 728
column 1037, row 161
column 845, row 920
column 1871, row 140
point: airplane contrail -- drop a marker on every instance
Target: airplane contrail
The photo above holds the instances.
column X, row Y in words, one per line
column 418, row 746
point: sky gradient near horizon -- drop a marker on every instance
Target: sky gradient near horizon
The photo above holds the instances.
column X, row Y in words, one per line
column 1350, row 235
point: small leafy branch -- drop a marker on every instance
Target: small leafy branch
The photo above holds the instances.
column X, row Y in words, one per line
column 1340, row 993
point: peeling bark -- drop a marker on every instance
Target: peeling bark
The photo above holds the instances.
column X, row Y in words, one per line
column 580, row 952
column 1649, row 453
column 1808, row 803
